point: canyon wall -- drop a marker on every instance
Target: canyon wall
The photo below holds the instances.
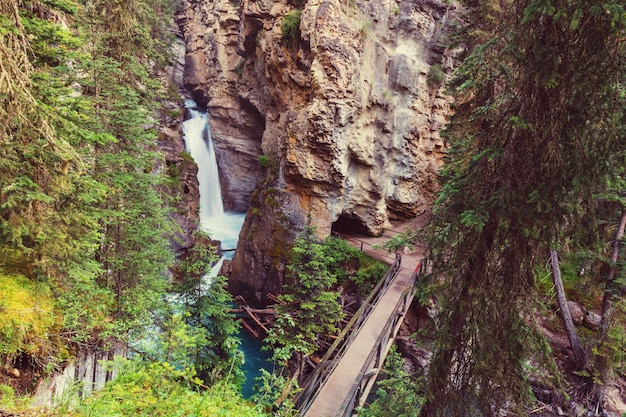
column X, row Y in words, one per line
column 180, row 170
column 336, row 127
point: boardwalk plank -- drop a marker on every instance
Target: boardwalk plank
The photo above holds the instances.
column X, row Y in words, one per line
column 332, row 394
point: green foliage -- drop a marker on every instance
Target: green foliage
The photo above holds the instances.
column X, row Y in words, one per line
column 205, row 306
column 10, row 401
column 436, row 76
column 6, row 392
column 310, row 307
column 27, row 315
column 159, row 389
column 271, row 389
column 270, row 163
column 613, row 350
column 82, row 211
column 516, row 180
column 399, row 394
column 209, row 311
column 368, row 275
column 70, row 7
column 290, row 27
column 196, row 262
column 264, row 161
column 351, row 265
column 406, row 239
column 52, row 44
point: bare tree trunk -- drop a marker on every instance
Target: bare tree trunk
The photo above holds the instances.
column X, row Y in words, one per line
column 606, row 300
column 603, row 361
column 566, row 316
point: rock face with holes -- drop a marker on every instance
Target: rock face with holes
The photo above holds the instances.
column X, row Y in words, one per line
column 345, row 114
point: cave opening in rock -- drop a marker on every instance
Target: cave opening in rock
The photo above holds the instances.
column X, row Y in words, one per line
column 349, row 224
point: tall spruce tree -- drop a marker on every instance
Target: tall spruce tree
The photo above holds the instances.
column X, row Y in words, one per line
column 537, row 133
column 80, row 206
column 309, row 307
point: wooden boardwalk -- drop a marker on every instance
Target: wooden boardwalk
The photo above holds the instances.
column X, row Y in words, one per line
column 338, row 389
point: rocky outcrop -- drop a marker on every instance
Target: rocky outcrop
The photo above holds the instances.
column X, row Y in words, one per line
column 213, row 75
column 180, row 170
column 86, row 373
column 348, row 112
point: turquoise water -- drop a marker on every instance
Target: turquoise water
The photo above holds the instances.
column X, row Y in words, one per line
column 256, row 359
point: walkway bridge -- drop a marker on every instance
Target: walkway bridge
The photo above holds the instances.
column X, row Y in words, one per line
column 345, row 375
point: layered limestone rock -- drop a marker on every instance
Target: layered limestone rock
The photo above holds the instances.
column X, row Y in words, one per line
column 346, row 114
column 180, row 169
column 213, row 75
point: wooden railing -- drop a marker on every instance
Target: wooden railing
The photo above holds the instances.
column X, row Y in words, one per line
column 336, row 351
column 374, row 251
column 369, row 372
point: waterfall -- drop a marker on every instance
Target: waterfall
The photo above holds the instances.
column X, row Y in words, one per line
column 200, row 145
column 220, row 225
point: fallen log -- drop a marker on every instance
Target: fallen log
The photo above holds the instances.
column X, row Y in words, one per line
column 253, row 332
column 254, row 310
column 275, row 299
column 255, row 319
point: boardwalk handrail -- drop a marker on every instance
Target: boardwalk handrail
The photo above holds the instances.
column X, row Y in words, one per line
column 334, row 354
column 369, row 371
column 366, row 247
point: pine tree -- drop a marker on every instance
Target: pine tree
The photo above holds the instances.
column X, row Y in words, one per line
column 539, row 130
column 80, row 201
column 309, row 308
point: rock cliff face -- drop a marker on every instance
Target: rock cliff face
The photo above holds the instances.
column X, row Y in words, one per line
column 180, row 170
column 346, row 115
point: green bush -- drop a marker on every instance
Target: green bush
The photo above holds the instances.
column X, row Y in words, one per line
column 368, row 275
column 26, row 317
column 290, row 27
column 399, row 394
column 436, row 76
column 264, row 161
column 159, row 389
column 6, row 392
column 350, row 264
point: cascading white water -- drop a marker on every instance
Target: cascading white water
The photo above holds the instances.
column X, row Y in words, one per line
column 220, row 225
column 200, row 145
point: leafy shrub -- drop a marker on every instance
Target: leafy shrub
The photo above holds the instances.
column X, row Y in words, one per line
column 368, row 275
column 350, row 264
column 26, row 317
column 264, row 161
column 436, row 76
column 290, row 27
column 6, row 392
column 159, row 389
column 399, row 394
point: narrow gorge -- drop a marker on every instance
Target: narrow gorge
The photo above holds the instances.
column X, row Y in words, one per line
column 335, row 127
column 473, row 149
